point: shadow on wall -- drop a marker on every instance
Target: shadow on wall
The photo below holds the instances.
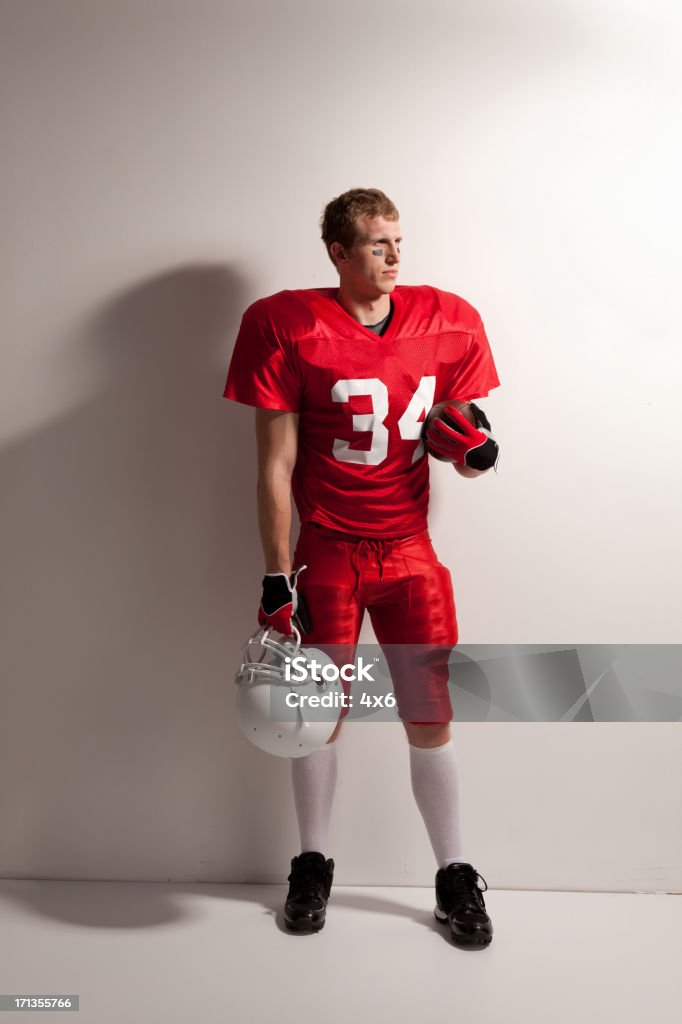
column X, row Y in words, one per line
column 131, row 571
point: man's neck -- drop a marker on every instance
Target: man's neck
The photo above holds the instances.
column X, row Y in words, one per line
column 366, row 311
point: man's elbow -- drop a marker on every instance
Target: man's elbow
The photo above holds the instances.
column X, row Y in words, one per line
column 275, row 475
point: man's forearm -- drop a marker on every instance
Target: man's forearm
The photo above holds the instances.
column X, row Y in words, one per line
column 468, row 471
column 274, row 521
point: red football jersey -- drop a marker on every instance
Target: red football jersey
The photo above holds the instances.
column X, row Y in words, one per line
column 362, row 398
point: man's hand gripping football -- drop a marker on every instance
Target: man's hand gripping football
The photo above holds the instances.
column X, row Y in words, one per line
column 450, row 437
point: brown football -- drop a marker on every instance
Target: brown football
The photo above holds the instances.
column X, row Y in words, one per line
column 436, row 411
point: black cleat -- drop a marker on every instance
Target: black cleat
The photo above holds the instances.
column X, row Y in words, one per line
column 310, row 885
column 459, row 902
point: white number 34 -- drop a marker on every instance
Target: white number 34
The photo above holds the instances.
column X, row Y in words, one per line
column 408, row 425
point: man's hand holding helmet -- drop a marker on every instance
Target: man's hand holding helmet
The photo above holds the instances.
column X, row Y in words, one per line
column 281, row 606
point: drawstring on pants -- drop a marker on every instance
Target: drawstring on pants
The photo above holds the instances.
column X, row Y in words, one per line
column 380, row 548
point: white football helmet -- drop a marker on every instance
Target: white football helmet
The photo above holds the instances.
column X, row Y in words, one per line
column 286, row 728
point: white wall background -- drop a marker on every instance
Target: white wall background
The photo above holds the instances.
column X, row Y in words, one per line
column 166, row 163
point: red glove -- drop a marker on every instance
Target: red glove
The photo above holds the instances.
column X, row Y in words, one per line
column 281, row 606
column 452, row 438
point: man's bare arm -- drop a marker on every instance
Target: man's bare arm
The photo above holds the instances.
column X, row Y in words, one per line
column 277, row 442
column 468, row 471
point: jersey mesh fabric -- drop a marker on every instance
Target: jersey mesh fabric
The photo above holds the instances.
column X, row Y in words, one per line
column 361, row 466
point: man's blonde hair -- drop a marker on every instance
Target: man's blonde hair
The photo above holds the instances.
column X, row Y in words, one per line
column 338, row 220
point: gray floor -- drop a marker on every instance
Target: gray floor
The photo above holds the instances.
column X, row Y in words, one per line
column 162, row 952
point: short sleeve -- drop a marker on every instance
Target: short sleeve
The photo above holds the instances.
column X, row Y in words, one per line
column 260, row 373
column 475, row 375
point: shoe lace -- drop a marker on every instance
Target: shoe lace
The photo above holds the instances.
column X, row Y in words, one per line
column 461, row 884
column 310, row 880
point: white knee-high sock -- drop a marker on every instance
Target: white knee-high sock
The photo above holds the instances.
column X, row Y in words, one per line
column 435, row 784
column 314, row 781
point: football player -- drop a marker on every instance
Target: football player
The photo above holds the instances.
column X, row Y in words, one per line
column 342, row 379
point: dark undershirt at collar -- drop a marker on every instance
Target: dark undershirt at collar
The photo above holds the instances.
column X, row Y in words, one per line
column 383, row 324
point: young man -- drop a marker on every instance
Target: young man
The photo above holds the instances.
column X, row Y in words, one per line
column 342, row 379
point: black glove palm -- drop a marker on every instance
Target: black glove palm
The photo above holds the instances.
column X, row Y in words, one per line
column 281, row 605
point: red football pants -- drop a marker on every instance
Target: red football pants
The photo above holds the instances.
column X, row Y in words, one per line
column 408, row 594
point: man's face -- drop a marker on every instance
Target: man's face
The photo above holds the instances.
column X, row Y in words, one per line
column 370, row 268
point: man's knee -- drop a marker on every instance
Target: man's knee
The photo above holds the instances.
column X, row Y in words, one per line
column 432, row 734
